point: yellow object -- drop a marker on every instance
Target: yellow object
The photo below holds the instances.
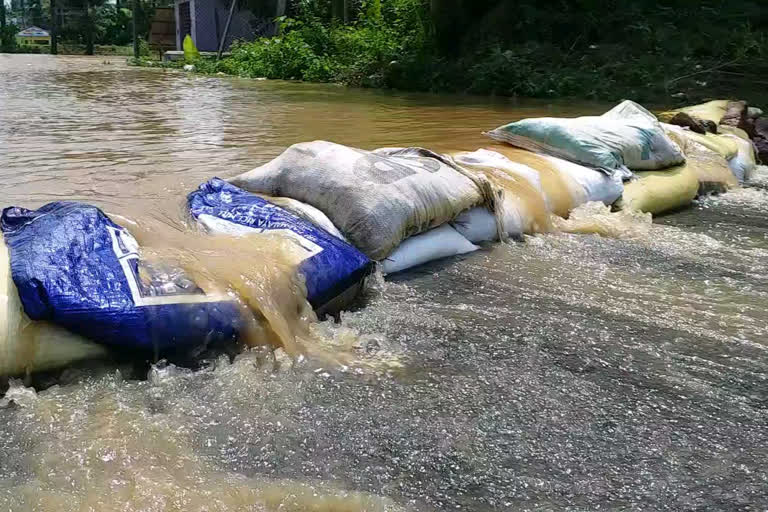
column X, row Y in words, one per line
column 190, row 50
column 656, row 192
column 26, row 345
column 710, row 168
column 732, row 130
column 724, row 146
column 710, row 111
column 33, row 36
column 561, row 193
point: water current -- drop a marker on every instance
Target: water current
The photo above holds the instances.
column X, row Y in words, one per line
column 568, row 371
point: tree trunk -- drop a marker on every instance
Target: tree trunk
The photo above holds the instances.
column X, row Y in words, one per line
column 54, row 29
column 447, row 19
column 88, row 29
column 2, row 16
column 337, row 10
column 134, row 28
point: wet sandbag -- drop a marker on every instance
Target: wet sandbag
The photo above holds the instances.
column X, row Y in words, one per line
column 561, row 193
column 712, row 111
column 710, row 167
column 306, row 212
column 616, row 142
column 524, row 207
column 437, row 243
column 656, row 192
column 724, row 146
column 76, row 268
column 27, row 346
column 376, row 199
column 744, row 161
column 332, row 268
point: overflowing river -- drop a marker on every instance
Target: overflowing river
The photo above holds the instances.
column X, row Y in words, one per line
column 568, row 371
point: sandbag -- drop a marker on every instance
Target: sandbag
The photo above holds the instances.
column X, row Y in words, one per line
column 434, row 244
column 660, row 191
column 743, row 163
column 596, row 186
column 561, row 193
column 308, row 213
column 712, row 111
column 376, row 199
column 524, row 208
column 710, row 167
column 27, row 346
column 732, row 130
column 330, row 266
column 626, row 137
column 74, row 267
column 724, row 146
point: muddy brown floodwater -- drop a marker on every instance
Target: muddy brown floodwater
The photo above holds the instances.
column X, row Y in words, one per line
column 565, row 372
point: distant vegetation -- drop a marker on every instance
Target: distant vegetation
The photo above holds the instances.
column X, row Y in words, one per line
column 644, row 49
column 83, row 26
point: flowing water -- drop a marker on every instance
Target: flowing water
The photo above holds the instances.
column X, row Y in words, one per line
column 568, row 371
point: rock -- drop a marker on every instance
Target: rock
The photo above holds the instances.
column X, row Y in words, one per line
column 760, row 139
column 189, row 67
column 694, row 123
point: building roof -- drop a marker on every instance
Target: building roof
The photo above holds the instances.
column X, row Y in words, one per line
column 33, row 32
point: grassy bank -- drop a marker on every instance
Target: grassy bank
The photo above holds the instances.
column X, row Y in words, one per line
column 640, row 51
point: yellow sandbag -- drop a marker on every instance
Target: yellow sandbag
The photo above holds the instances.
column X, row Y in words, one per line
column 656, row 192
column 710, row 111
column 724, row 146
column 732, row 130
column 710, row 167
column 561, row 192
column 29, row 346
column 520, row 193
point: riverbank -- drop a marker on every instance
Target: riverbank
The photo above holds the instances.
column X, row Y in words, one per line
column 704, row 56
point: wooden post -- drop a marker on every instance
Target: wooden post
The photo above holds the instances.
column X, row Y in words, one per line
column 226, row 29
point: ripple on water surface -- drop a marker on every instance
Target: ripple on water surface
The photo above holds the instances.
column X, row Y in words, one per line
column 568, row 371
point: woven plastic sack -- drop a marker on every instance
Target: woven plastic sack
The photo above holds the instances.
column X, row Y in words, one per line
column 76, row 268
column 376, row 199
column 330, row 265
column 616, row 142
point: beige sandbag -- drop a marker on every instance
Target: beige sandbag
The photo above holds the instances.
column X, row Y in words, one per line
column 656, row 192
column 724, row 146
column 525, row 206
column 710, row 111
column 376, row 199
column 562, row 193
column 732, row 130
column 710, row 167
column 27, row 346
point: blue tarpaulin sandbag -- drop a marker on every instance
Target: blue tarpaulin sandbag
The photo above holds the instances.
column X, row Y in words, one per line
column 331, row 267
column 75, row 267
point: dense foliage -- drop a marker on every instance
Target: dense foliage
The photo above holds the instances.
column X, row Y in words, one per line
column 589, row 48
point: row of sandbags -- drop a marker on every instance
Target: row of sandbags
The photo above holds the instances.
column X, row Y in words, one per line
column 72, row 281
column 406, row 206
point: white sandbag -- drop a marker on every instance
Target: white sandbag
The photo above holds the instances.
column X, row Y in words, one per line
column 308, row 213
column 626, row 137
column 32, row 346
column 524, row 209
column 744, row 162
column 436, row 243
column 376, row 199
column 596, row 186
column 479, row 225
